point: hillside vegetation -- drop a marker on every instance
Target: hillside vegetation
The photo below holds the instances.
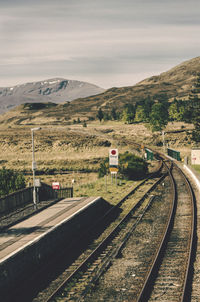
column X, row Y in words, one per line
column 175, row 83
column 74, row 152
column 76, row 136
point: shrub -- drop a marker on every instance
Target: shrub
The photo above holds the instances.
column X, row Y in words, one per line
column 10, row 181
column 130, row 166
column 104, row 168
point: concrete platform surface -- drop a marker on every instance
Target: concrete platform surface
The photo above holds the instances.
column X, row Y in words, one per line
column 32, row 229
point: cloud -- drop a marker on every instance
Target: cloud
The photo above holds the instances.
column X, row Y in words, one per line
column 96, row 40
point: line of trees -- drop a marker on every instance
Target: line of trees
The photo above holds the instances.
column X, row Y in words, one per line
column 108, row 115
column 146, row 110
column 157, row 113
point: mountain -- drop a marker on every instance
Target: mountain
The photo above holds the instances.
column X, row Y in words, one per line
column 175, row 83
column 55, row 90
column 179, row 79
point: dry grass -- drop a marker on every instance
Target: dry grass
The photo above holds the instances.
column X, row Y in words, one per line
column 65, row 180
column 105, row 188
column 76, row 149
column 197, row 168
column 174, row 83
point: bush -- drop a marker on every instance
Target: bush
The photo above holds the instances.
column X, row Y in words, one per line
column 104, row 168
column 130, row 166
column 10, row 181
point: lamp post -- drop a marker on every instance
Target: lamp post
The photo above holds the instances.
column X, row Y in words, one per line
column 34, row 166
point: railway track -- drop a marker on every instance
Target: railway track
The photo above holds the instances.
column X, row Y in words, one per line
column 101, row 246
column 161, row 267
column 125, row 279
column 173, row 282
column 142, row 250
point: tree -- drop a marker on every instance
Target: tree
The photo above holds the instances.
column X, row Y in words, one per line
column 100, row 114
column 140, row 114
column 10, row 181
column 113, row 114
column 176, row 110
column 173, row 111
column 159, row 116
column 106, row 116
column 128, row 113
column 148, row 103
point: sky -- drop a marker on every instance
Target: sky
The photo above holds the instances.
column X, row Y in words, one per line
column 110, row 43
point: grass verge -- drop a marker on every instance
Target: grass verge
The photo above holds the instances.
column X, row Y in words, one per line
column 105, row 188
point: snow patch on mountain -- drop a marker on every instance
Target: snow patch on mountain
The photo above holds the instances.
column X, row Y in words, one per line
column 56, row 90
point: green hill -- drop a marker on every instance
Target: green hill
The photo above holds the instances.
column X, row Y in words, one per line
column 175, row 83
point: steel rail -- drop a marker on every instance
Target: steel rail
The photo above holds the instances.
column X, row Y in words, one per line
column 19, row 292
column 186, row 285
column 146, row 289
column 191, row 244
column 102, row 245
column 144, row 292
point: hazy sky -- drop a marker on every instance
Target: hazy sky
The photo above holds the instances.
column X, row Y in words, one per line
column 107, row 42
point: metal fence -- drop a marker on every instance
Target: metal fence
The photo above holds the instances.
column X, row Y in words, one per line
column 24, row 197
column 149, row 154
column 173, row 153
column 64, row 193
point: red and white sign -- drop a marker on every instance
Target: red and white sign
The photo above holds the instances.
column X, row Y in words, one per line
column 195, row 156
column 113, row 157
column 55, row 185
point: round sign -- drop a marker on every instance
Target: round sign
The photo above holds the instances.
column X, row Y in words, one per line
column 113, row 152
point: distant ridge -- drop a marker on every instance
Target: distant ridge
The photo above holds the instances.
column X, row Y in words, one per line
column 181, row 75
column 56, row 90
column 175, row 83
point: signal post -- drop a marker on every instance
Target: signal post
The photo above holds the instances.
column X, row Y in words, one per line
column 113, row 164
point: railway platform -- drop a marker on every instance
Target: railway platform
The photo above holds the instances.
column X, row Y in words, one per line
column 31, row 229
column 26, row 244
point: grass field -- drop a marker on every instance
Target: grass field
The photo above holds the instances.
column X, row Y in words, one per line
column 105, row 188
column 75, row 149
column 197, row 168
